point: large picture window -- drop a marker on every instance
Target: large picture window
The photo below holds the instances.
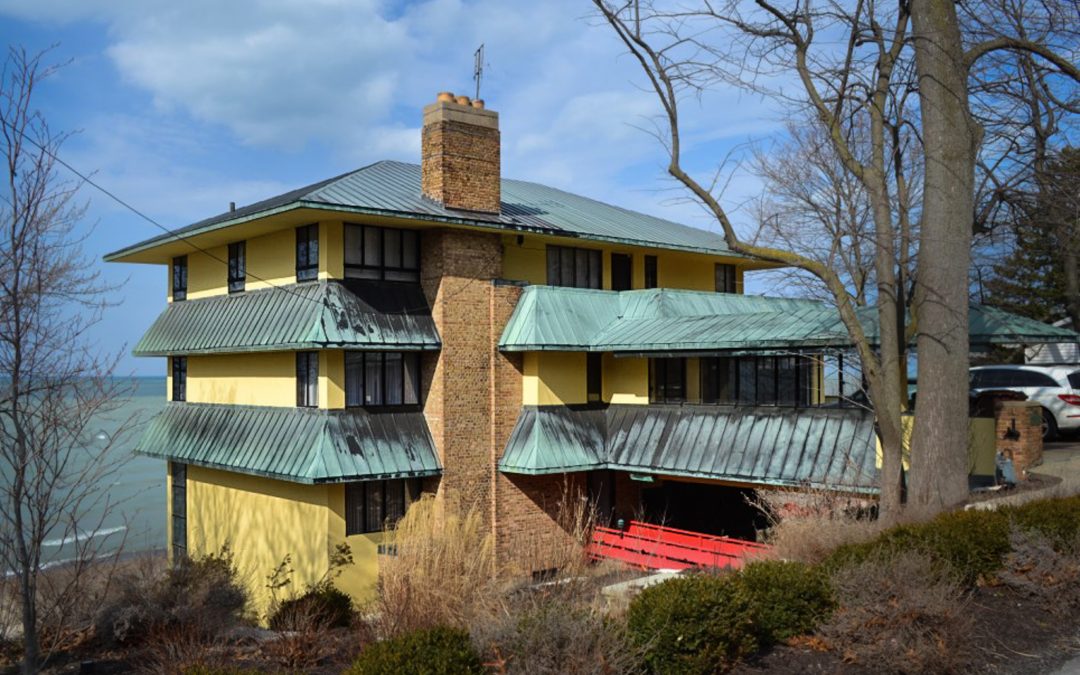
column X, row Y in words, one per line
column 758, row 380
column 667, row 380
column 381, row 253
column 382, row 379
column 179, row 378
column 237, row 266
column 307, row 379
column 574, row 267
column 307, row 253
column 179, row 278
column 371, row 506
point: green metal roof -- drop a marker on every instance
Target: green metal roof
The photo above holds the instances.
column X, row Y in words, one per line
column 551, row 318
column 393, row 189
column 295, row 444
column 831, row 448
column 319, row 315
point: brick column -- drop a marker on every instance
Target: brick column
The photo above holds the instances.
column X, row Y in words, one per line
column 1019, row 434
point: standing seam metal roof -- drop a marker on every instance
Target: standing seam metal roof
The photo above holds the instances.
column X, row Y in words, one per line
column 294, row 444
column 390, row 188
column 807, row 447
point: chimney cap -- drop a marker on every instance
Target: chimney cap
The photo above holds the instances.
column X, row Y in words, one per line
column 445, row 96
column 478, row 103
column 463, row 100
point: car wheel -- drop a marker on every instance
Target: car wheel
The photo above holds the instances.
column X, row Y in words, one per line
column 1049, row 426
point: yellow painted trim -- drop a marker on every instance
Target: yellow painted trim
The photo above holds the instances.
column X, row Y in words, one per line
column 332, row 379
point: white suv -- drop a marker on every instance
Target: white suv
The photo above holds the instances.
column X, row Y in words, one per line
column 1055, row 388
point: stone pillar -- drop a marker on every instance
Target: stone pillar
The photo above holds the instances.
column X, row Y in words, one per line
column 1019, row 434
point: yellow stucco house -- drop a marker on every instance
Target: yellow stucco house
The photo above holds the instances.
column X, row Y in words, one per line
column 337, row 350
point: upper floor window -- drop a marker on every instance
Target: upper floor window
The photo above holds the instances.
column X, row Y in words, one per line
column 757, row 380
column 179, row 378
column 650, row 272
column 667, row 380
column 179, row 278
column 594, row 377
column 307, row 379
column 373, row 505
column 725, row 278
column 575, row 267
column 382, row 378
column 381, row 253
column 307, row 253
column 237, row 266
column 622, row 272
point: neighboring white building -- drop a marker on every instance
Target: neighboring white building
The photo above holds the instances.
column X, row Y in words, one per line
column 1060, row 352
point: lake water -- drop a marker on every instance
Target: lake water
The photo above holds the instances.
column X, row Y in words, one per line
column 137, row 491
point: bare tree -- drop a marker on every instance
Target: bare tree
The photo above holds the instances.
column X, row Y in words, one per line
column 54, row 478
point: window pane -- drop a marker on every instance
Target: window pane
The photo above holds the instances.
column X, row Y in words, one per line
column 354, row 379
column 410, row 250
column 675, row 380
column 354, row 245
column 373, row 386
column 747, row 381
column 411, row 395
column 709, row 380
column 766, row 380
column 392, row 248
column 374, row 505
column 395, row 500
column 372, row 246
column 394, row 377
column 785, row 375
column 313, row 379
column 726, row 379
column 594, row 377
column 566, row 266
column 398, row 275
column 596, row 270
column 581, row 267
column 650, row 271
column 554, row 278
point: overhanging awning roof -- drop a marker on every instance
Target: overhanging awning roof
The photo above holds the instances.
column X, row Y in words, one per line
column 320, row 315
column 294, row 444
column 815, row 447
column 550, row 318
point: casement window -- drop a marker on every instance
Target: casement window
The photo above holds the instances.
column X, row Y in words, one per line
column 307, row 253
column 307, row 379
column 574, row 267
column 178, row 497
column 179, row 378
column 622, row 272
column 758, row 380
column 371, row 506
column 667, row 380
column 179, row 278
column 650, row 272
column 237, row 266
column 594, row 377
column 725, row 278
column 381, row 253
column 382, row 379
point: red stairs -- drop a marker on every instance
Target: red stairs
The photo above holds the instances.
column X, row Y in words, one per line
column 657, row 547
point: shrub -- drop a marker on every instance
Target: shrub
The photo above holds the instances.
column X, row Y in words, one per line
column 1057, row 519
column 323, row 603
column 785, row 598
column 692, row 624
column 973, row 544
column 901, row 612
column 1037, row 567
column 208, row 670
column 200, row 594
column 434, row 651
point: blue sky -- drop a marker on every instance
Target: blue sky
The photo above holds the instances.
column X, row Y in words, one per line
column 180, row 108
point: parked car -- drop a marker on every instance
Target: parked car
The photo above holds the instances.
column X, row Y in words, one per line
column 1055, row 388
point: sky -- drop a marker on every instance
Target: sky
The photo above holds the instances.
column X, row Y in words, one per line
column 179, row 108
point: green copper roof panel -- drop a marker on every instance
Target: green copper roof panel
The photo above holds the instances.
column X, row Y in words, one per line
column 294, row 444
column 664, row 320
column 343, row 315
column 807, row 447
column 393, row 189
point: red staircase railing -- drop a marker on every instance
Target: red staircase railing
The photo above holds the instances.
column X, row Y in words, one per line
column 657, row 547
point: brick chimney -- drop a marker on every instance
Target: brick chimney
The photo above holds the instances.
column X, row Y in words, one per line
column 460, row 154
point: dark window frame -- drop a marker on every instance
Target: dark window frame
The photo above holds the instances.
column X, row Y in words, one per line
column 662, row 373
column 178, row 497
column 404, row 271
column 626, row 259
column 307, row 252
column 726, row 278
column 179, row 366
column 179, row 277
column 563, row 259
column 355, row 399
column 307, row 379
column 793, row 392
column 358, row 519
column 652, row 272
column 594, row 377
column 237, row 276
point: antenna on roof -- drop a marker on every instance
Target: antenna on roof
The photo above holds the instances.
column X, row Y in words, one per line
column 478, row 67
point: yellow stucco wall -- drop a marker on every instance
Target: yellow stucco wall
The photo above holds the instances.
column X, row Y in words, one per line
column 270, row 260
column 551, row 378
column 626, row 380
column 527, row 261
column 264, row 378
column 360, row 579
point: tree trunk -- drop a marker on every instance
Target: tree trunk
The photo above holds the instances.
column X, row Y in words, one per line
column 1070, row 252
column 31, row 655
column 939, row 450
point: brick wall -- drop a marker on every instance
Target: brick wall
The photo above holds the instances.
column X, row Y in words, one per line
column 1019, row 434
column 460, row 157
